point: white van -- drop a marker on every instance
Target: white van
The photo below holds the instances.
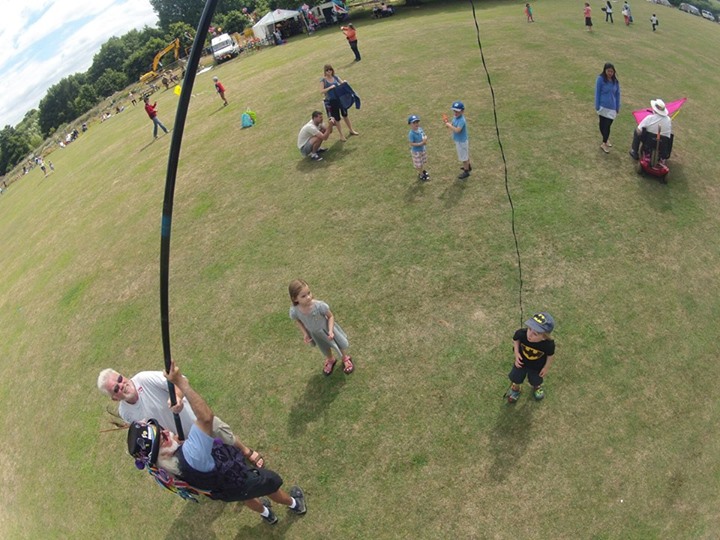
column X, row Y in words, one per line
column 709, row 16
column 224, row 48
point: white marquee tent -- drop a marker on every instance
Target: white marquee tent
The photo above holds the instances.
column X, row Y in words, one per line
column 265, row 26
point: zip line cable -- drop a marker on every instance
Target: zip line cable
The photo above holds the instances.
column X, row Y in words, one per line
column 502, row 154
column 178, row 129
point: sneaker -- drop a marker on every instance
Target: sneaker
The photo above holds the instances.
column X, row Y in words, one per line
column 271, row 518
column 512, row 395
column 425, row 177
column 469, row 168
column 421, row 177
column 604, row 148
column 539, row 393
column 634, row 155
column 315, row 157
column 463, row 175
column 297, row 494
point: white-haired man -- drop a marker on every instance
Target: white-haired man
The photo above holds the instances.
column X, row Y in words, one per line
column 216, row 469
column 146, row 395
column 659, row 120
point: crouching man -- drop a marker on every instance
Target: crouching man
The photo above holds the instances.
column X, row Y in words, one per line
column 207, row 465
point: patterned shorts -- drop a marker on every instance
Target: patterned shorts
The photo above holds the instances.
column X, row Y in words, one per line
column 419, row 158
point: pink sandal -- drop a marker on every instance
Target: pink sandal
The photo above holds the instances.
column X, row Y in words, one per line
column 349, row 366
column 329, row 365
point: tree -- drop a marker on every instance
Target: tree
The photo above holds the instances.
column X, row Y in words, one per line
column 13, row 148
column 110, row 82
column 58, row 105
column 170, row 11
column 112, row 55
column 184, row 32
column 233, row 21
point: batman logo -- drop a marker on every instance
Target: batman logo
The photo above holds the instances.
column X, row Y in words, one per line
column 530, row 353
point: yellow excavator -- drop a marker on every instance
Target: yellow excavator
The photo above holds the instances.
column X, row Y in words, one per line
column 150, row 75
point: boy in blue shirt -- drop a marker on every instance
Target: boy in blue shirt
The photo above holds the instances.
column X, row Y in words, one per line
column 460, row 136
column 418, row 139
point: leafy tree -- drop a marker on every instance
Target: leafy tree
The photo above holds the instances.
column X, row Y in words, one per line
column 29, row 128
column 170, row 11
column 184, row 32
column 58, row 105
column 85, row 100
column 13, row 148
column 141, row 61
column 110, row 82
column 112, row 55
column 233, row 21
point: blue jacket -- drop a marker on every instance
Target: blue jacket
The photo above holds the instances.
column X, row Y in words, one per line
column 607, row 94
column 347, row 96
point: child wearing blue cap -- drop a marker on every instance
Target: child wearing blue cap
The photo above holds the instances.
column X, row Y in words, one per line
column 458, row 128
column 534, row 353
column 418, row 140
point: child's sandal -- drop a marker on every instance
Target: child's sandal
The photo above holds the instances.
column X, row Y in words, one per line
column 329, row 366
column 349, row 366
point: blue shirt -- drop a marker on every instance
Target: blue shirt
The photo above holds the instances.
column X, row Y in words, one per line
column 462, row 136
column 416, row 137
column 197, row 450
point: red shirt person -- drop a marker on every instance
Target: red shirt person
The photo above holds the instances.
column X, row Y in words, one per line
column 220, row 90
column 151, row 111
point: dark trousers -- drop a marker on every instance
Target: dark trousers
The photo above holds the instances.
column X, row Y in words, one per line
column 605, row 124
column 609, row 16
column 353, row 46
column 636, row 141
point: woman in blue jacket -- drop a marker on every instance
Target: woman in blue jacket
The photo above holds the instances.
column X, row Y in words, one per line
column 607, row 102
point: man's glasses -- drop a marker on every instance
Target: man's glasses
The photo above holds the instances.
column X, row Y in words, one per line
column 116, row 388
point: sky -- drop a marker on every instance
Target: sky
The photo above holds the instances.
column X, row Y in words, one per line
column 44, row 41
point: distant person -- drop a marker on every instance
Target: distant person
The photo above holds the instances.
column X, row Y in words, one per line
column 220, row 89
column 331, row 87
column 607, row 102
column 658, row 121
column 145, row 395
column 52, row 167
column 131, row 96
column 654, row 21
column 351, row 36
column 587, row 11
column 608, row 12
column 312, row 135
column 534, row 354
column 529, row 13
column 318, row 327
column 627, row 13
column 151, row 111
column 458, row 128
column 418, row 141
column 385, row 10
column 208, row 464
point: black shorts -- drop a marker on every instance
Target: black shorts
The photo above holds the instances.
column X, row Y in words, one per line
column 517, row 375
column 258, row 483
column 334, row 109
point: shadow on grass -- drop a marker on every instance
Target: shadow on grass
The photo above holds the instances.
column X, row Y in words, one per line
column 263, row 530
column 320, row 392
column 510, row 437
column 453, row 193
column 414, row 191
column 332, row 154
column 196, row 520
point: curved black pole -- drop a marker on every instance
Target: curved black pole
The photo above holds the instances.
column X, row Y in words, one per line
column 178, row 128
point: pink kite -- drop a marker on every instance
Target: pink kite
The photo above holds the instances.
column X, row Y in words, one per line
column 672, row 109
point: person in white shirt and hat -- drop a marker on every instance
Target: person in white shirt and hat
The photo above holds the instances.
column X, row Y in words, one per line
column 659, row 120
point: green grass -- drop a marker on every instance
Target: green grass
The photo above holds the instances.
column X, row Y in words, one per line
column 417, row 442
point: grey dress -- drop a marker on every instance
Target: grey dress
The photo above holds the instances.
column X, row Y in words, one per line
column 316, row 324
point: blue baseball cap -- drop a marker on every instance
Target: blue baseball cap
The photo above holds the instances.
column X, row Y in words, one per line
column 413, row 118
column 542, row 323
column 458, row 106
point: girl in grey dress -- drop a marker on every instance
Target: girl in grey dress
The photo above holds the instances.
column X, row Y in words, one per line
column 317, row 324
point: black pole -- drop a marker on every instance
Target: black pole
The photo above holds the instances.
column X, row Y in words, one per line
column 178, row 128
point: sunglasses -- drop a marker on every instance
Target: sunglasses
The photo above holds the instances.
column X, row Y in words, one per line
column 116, row 388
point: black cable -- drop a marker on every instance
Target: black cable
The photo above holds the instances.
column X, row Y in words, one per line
column 178, row 128
column 502, row 153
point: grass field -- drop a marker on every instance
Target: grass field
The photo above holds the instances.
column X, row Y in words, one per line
column 417, row 443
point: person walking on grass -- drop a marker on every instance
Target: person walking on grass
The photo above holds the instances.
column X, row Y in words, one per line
column 151, row 111
column 654, row 21
column 418, row 140
column 607, row 103
column 534, row 352
column 627, row 13
column 207, row 465
column 458, row 128
column 312, row 135
column 146, row 395
column 318, row 327
column 587, row 12
column 351, row 35
column 529, row 13
column 609, row 12
column 220, row 89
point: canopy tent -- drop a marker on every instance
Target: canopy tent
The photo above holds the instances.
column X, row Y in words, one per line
column 265, row 26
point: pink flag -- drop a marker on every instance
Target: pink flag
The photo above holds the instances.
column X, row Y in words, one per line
column 672, row 109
